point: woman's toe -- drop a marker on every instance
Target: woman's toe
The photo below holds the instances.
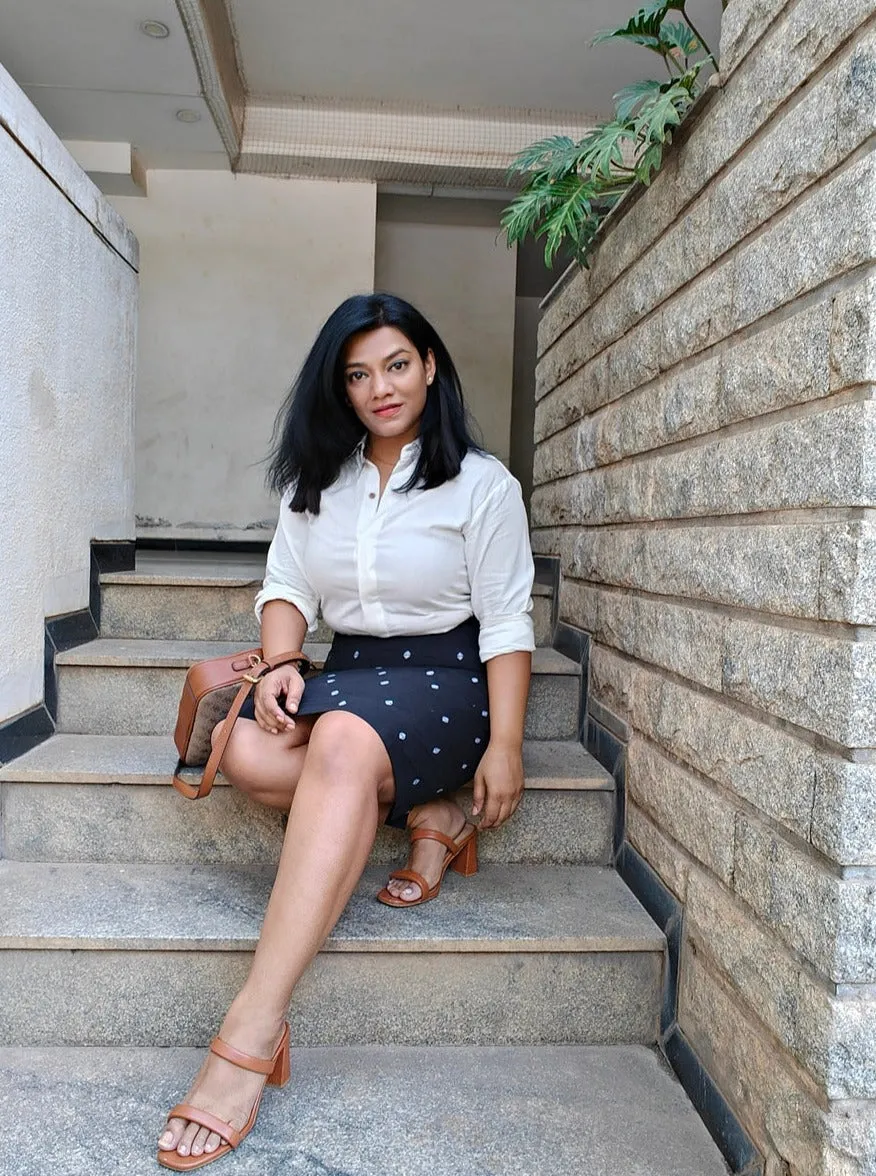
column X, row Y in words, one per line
column 199, row 1141
column 213, row 1141
column 184, row 1146
column 170, row 1136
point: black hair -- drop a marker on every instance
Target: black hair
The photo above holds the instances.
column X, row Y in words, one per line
column 317, row 430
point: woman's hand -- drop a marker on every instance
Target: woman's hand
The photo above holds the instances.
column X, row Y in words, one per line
column 498, row 784
column 270, row 716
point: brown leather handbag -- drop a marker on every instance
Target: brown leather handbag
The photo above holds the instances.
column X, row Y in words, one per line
column 215, row 690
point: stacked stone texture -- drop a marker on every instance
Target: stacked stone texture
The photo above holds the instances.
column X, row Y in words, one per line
column 706, row 470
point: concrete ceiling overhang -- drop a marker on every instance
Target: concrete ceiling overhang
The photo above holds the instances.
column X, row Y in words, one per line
column 391, row 90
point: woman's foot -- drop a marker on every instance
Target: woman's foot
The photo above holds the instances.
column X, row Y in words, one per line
column 223, row 1089
column 427, row 857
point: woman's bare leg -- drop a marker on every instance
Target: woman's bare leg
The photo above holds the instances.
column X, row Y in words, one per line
column 344, row 787
column 264, row 766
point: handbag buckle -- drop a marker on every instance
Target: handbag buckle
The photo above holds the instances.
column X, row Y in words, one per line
column 254, row 660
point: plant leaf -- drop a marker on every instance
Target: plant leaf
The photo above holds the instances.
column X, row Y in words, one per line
column 677, row 38
column 643, row 28
column 544, row 153
column 627, row 99
column 605, row 151
column 649, row 162
column 659, row 115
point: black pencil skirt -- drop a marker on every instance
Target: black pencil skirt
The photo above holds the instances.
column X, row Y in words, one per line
column 426, row 697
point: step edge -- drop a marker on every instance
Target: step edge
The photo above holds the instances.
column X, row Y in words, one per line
column 90, row 655
column 73, row 779
column 570, row 945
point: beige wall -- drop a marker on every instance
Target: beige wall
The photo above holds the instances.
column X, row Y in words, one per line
column 237, row 275
column 68, row 313
column 706, row 451
column 443, row 255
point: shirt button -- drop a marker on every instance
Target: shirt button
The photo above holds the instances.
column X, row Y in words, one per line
column 372, row 495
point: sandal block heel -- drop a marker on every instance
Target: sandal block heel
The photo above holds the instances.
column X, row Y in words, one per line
column 279, row 1076
column 466, row 862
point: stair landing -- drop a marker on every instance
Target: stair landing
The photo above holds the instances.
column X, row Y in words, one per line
column 367, row 1111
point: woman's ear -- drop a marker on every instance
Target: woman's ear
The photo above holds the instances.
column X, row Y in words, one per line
column 430, row 366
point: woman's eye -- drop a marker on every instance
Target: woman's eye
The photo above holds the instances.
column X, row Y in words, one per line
column 400, row 363
column 354, row 376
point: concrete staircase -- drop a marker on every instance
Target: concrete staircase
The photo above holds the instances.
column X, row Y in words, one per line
column 508, row 1027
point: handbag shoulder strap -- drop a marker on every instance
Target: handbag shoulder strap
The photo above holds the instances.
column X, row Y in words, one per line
column 250, row 681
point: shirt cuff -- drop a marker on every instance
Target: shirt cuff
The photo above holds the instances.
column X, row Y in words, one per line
column 506, row 634
column 308, row 608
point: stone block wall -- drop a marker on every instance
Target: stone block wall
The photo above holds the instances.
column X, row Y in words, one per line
column 705, row 469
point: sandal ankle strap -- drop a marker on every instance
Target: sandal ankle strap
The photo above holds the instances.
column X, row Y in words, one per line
column 238, row 1058
column 434, row 835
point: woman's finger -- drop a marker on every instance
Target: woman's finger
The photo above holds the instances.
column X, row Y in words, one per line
column 263, row 718
column 480, row 793
column 491, row 810
column 503, row 814
column 266, row 702
column 294, row 690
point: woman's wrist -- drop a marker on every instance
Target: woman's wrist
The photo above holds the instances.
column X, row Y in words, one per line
column 511, row 741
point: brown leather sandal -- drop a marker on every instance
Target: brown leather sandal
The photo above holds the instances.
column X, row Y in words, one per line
column 462, row 856
column 277, row 1071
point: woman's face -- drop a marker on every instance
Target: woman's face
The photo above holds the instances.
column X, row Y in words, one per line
column 386, row 382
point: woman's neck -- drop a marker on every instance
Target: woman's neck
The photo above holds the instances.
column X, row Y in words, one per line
column 386, row 450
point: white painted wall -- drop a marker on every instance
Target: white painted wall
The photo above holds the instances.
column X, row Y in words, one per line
column 237, row 275
column 445, row 257
column 68, row 302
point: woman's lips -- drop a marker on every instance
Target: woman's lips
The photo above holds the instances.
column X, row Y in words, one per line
column 388, row 410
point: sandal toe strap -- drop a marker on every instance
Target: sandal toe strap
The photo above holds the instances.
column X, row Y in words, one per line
column 412, row 876
column 205, row 1119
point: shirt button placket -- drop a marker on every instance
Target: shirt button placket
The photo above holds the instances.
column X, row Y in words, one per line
column 366, row 549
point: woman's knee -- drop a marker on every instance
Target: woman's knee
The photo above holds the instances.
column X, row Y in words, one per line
column 345, row 747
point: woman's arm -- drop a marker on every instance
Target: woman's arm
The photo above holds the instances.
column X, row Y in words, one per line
column 283, row 629
column 499, row 562
column 286, row 604
column 498, row 782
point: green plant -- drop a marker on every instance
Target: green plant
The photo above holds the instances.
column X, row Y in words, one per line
column 571, row 187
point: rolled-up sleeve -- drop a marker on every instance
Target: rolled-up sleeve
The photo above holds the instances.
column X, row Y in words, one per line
column 501, row 572
column 285, row 578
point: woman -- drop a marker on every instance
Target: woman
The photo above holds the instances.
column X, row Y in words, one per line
column 415, row 544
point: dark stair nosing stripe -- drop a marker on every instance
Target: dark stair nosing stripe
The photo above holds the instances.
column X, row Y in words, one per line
column 234, row 547
column 668, row 913
column 728, row 1133
column 25, row 731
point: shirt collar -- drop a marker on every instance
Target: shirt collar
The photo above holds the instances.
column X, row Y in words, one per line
column 408, row 456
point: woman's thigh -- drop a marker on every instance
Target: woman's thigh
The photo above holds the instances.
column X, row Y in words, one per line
column 266, row 766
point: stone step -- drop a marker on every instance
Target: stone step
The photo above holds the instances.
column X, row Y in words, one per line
column 151, row 955
column 106, row 798
column 368, row 1111
column 116, row 686
column 207, row 596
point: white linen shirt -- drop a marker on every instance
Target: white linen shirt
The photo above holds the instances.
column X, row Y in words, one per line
column 410, row 563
